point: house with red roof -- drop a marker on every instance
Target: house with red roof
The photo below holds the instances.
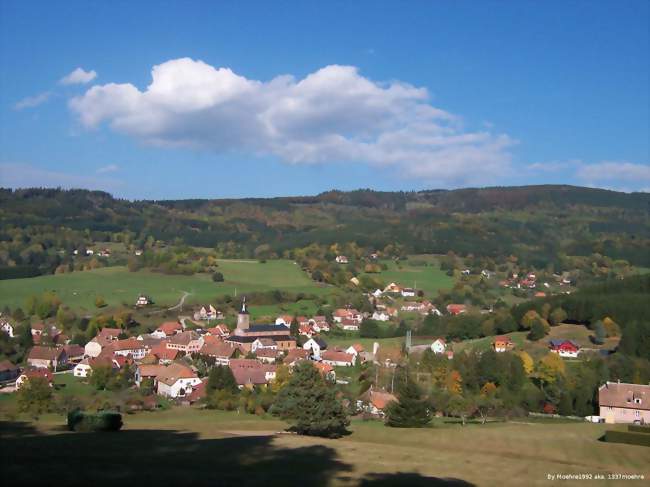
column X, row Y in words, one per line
column 31, row 373
column 375, row 402
column 456, row 309
column 326, row 370
column 186, row 341
column 267, row 355
column 137, row 349
column 338, row 358
column 295, row 355
column 250, row 372
column 163, row 354
column 220, row 330
column 564, row 348
column 176, row 380
column 502, row 343
column 221, row 352
column 167, row 329
column 47, row 357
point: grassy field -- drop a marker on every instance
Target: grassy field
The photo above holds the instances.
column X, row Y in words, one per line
column 118, row 285
column 578, row 333
column 221, row 448
column 428, row 278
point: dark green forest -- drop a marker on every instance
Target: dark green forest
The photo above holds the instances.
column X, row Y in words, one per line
column 536, row 224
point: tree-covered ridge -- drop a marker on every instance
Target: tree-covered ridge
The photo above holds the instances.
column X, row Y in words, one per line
column 537, row 224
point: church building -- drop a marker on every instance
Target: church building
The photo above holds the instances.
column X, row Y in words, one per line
column 245, row 333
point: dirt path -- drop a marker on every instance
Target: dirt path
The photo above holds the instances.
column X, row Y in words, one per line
column 180, row 303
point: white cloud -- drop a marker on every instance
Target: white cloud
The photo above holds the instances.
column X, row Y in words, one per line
column 615, row 172
column 20, row 175
column 332, row 115
column 33, row 101
column 109, row 168
column 78, row 76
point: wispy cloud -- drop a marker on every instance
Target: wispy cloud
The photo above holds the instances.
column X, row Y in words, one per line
column 78, row 76
column 20, row 175
column 109, row 168
column 615, row 175
column 333, row 115
column 33, row 101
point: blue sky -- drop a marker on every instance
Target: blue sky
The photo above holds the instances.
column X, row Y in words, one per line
column 292, row 98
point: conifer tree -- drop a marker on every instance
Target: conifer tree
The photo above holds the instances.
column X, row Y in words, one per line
column 411, row 409
column 311, row 405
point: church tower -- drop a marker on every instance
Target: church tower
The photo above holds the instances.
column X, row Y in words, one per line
column 243, row 319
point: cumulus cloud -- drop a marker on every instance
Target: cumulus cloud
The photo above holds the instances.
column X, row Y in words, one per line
column 78, row 76
column 109, row 168
column 33, row 101
column 332, row 115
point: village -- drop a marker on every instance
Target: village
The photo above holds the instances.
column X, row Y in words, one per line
column 174, row 360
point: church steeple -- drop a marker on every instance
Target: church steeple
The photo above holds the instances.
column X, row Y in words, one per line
column 243, row 319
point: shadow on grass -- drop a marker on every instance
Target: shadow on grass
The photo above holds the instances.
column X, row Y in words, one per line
column 411, row 480
column 166, row 457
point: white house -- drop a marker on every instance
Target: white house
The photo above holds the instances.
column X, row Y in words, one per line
column 377, row 293
column 408, row 292
column 380, row 316
column 142, row 301
column 208, row 314
column 131, row 346
column 316, row 345
column 341, row 259
column 392, row 288
column 7, row 328
column 176, row 380
column 82, row 369
column 355, row 349
column 439, row 345
column 263, row 344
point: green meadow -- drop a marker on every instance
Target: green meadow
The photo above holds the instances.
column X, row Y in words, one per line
column 428, row 278
column 117, row 285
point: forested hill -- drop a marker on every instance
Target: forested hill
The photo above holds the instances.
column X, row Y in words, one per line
column 537, row 224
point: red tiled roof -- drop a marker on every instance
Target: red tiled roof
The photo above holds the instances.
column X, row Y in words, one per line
column 128, row 344
column 44, row 353
column 381, row 399
column 170, row 374
column 170, row 327
column 219, row 350
column 337, row 356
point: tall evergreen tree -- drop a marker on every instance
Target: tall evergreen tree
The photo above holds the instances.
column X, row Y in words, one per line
column 537, row 331
column 311, row 405
column 220, row 378
column 411, row 409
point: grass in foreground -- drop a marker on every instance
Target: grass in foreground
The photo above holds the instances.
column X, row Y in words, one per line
column 212, row 447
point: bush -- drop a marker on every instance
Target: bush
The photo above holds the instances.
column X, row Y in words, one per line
column 87, row 422
column 627, row 437
column 637, row 428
